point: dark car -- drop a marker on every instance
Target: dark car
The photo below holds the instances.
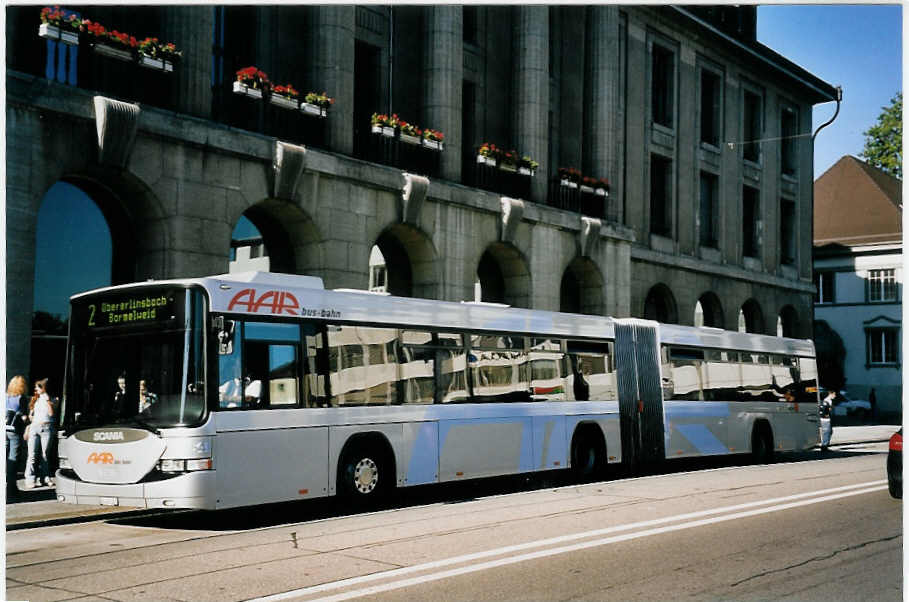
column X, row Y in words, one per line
column 895, row 465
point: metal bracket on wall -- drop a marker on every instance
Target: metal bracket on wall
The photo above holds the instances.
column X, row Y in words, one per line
column 589, row 235
column 288, row 164
column 412, row 197
column 117, row 123
column 512, row 214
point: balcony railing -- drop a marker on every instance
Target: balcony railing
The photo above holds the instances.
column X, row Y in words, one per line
column 395, row 151
column 509, row 181
column 582, row 199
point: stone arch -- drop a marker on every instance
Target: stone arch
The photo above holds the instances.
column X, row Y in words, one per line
column 581, row 290
column 411, row 262
column 504, row 276
column 788, row 321
column 751, row 317
column 660, row 305
column 291, row 240
column 711, row 311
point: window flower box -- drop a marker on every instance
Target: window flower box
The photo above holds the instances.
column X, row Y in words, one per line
column 244, row 90
column 114, row 53
column 51, row 32
column 509, row 167
column 568, row 183
column 601, row 192
column 408, row 139
column 311, row 109
column 284, row 102
column 159, row 64
column 526, row 171
column 483, row 160
column 383, row 130
column 435, row 145
column 586, row 189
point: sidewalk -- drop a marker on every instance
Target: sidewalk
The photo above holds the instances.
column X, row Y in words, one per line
column 39, row 507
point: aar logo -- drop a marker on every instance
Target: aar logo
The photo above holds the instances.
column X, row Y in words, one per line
column 100, row 458
column 275, row 302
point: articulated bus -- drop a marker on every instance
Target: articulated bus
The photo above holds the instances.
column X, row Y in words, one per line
column 242, row 389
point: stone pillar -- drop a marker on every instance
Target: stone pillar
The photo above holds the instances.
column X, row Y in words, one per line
column 332, row 68
column 190, row 29
column 443, row 74
column 531, row 96
column 602, row 92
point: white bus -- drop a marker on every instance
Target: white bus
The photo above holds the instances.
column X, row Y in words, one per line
column 252, row 388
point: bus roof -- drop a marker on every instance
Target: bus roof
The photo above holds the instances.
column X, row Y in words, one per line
column 270, row 294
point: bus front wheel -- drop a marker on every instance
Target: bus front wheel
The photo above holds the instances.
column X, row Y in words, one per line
column 588, row 455
column 363, row 474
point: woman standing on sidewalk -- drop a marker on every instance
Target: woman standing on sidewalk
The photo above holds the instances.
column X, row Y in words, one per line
column 16, row 416
column 41, row 413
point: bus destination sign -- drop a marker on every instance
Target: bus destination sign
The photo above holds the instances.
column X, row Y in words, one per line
column 131, row 310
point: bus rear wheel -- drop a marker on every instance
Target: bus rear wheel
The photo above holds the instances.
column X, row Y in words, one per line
column 762, row 444
column 363, row 475
column 588, row 456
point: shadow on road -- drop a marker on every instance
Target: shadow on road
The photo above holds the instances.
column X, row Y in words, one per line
column 270, row 515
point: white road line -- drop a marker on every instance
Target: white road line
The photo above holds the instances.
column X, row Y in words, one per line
column 830, row 494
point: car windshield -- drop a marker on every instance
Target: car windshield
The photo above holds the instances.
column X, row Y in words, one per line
column 148, row 373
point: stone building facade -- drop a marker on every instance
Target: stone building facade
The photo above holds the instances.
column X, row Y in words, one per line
column 703, row 133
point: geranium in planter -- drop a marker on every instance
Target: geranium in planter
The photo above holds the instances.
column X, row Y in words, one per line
column 588, row 184
column 509, row 161
column 433, row 139
column 316, row 104
column 384, row 124
column 601, row 187
column 117, row 45
column 155, row 55
column 527, row 166
column 410, row 133
column 251, row 82
column 58, row 24
column 488, row 154
column 569, row 176
column 285, row 97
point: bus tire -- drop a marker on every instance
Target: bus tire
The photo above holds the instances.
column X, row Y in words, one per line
column 762, row 443
column 588, row 453
column 365, row 473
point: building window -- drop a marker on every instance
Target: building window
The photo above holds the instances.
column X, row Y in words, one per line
column 661, row 85
column 882, row 345
column 789, row 126
column 469, row 16
column 753, row 126
column 660, row 195
column 711, row 87
column 825, row 282
column 751, row 223
column 708, row 213
column 788, row 233
column 881, row 285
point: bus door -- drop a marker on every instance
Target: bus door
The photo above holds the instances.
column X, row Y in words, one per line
column 640, row 392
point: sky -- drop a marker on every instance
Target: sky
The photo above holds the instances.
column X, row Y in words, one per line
column 858, row 47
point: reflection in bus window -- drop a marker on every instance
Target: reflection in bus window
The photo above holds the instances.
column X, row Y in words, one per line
column 546, row 364
column 499, row 368
column 684, row 375
column 362, row 365
column 592, row 374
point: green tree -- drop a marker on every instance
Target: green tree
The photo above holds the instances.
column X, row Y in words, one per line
column 884, row 141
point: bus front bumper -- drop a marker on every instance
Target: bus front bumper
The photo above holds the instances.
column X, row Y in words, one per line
column 190, row 490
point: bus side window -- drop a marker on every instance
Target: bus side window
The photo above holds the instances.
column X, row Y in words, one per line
column 271, row 372
column 230, row 377
column 362, row 365
column 547, row 363
column 592, row 371
column 686, row 369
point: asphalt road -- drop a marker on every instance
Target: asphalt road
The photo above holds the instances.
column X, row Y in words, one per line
column 810, row 527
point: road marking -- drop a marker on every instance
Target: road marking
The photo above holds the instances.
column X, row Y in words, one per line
column 738, row 511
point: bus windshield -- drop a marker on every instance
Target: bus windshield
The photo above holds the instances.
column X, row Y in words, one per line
column 136, row 358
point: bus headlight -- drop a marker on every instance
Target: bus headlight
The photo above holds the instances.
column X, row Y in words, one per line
column 185, row 465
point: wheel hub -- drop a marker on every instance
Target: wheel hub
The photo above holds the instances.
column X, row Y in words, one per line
column 366, row 476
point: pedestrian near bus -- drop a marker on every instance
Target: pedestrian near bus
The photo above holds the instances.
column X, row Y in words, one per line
column 42, row 415
column 16, row 418
column 825, row 410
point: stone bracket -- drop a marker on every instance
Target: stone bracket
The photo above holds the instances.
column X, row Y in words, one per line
column 117, row 123
column 589, row 235
column 512, row 214
column 288, row 164
column 412, row 197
